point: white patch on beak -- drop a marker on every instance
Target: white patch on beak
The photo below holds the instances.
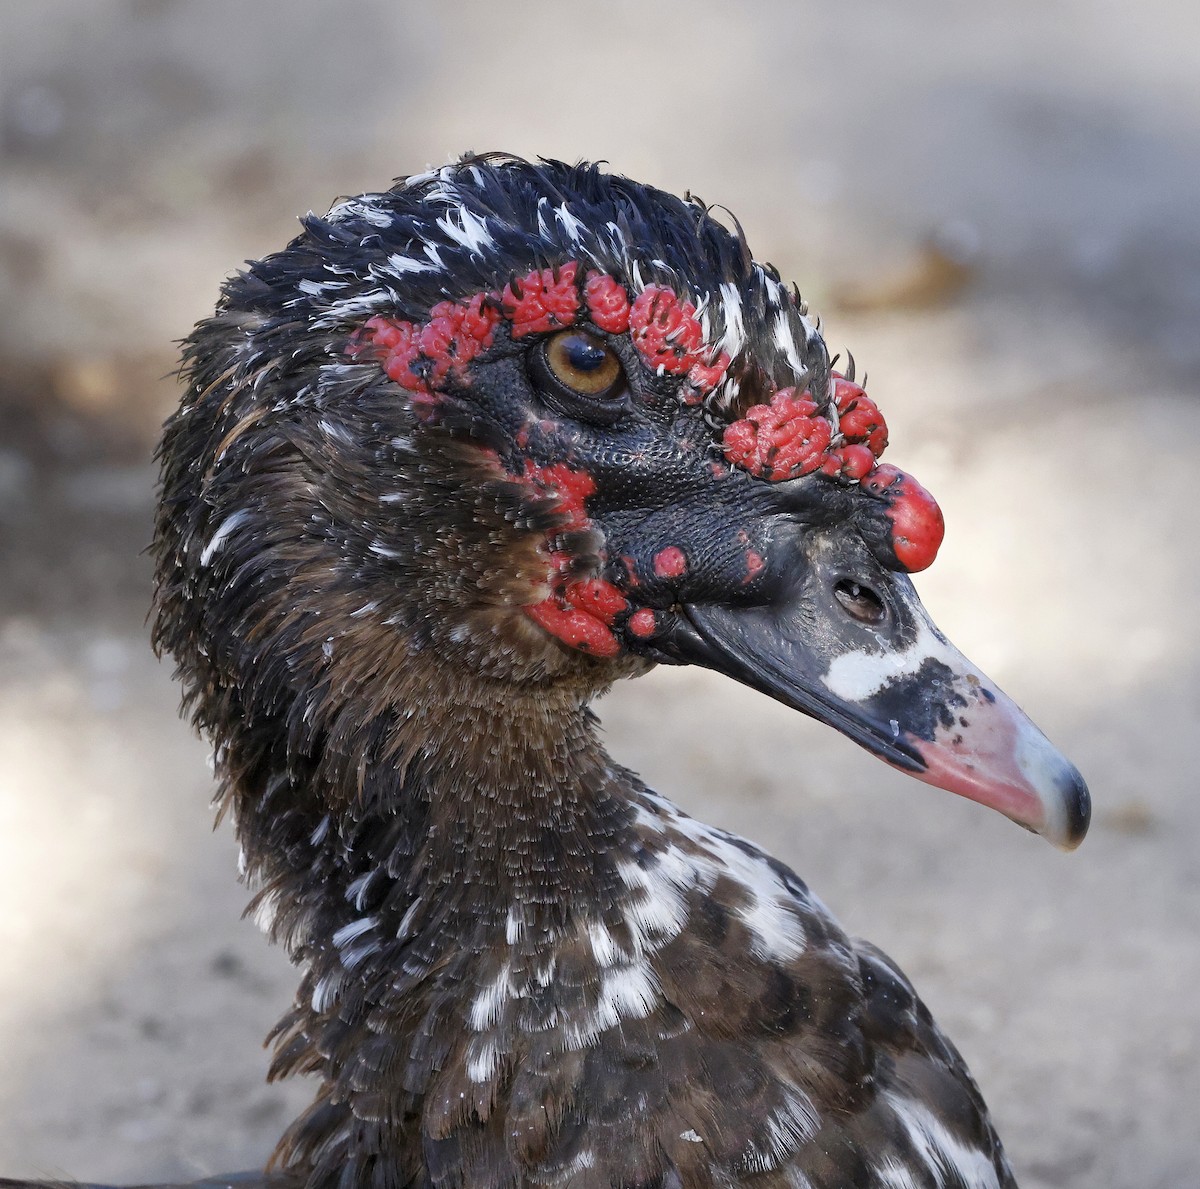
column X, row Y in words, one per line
column 856, row 676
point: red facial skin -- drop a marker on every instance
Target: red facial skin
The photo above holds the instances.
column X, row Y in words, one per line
column 455, row 333
column 607, row 303
column 665, row 330
column 917, row 524
column 579, row 629
column 851, row 462
column 784, row 439
column 668, row 336
column 579, row 613
column 789, row 437
column 859, row 418
column 643, row 623
column 545, row 299
column 670, row 562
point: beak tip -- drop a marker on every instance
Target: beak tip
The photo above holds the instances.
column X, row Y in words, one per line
column 1068, row 825
column 1015, row 769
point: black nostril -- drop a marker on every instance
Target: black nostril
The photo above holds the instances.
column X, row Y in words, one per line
column 861, row 602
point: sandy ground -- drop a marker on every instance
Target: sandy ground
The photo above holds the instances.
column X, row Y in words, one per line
column 998, row 213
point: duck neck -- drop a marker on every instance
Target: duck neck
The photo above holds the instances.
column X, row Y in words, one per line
column 470, row 813
column 447, row 841
column 520, row 803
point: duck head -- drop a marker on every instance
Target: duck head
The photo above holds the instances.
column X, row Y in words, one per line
column 550, row 427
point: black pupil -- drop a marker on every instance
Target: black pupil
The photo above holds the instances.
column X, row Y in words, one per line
column 584, row 356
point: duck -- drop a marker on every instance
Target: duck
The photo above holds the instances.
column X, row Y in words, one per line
column 465, row 453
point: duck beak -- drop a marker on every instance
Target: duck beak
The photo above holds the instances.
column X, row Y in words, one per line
column 892, row 683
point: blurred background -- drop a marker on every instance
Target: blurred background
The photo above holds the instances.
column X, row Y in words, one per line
column 996, row 207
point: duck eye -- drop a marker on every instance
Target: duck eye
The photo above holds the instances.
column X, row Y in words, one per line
column 585, row 364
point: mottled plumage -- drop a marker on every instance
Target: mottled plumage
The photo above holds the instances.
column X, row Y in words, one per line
column 398, row 555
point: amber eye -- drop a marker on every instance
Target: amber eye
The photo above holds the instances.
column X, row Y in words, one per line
column 586, row 364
